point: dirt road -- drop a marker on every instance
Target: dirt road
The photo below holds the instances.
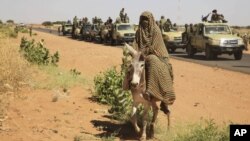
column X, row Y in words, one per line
column 202, row 92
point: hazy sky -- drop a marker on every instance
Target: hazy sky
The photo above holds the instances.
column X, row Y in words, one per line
column 237, row 12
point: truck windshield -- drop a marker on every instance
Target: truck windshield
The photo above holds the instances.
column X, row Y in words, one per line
column 125, row 27
column 218, row 29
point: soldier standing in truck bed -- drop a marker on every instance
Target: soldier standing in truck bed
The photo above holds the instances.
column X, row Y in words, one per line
column 122, row 15
column 215, row 16
column 162, row 22
column 126, row 18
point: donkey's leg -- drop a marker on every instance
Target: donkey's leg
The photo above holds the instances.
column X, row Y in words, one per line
column 145, row 119
column 168, row 115
column 134, row 118
column 155, row 114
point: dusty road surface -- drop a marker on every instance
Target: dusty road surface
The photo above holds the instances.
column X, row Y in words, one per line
column 202, row 92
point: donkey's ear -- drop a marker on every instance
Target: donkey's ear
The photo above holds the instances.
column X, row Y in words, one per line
column 131, row 50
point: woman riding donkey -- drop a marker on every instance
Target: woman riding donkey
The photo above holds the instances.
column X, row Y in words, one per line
column 158, row 70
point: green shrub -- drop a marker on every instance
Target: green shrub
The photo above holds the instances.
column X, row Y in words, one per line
column 108, row 90
column 36, row 53
column 23, row 30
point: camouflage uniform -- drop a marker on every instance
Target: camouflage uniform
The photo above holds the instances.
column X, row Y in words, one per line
column 246, row 41
column 168, row 25
column 74, row 25
column 30, row 31
column 122, row 15
column 185, row 34
column 162, row 22
column 126, row 18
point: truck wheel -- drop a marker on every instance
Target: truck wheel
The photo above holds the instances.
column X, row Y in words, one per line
column 171, row 50
column 238, row 55
column 208, row 53
column 190, row 50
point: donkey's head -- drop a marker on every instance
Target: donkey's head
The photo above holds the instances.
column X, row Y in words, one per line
column 136, row 69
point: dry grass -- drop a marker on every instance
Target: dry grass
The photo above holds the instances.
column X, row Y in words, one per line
column 13, row 70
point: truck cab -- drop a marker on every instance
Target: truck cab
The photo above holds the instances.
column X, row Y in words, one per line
column 172, row 39
column 123, row 32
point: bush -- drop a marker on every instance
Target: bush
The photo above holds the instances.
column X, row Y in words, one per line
column 36, row 53
column 23, row 30
column 108, row 90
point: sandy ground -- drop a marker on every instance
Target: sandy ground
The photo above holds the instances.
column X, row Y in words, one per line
column 202, row 92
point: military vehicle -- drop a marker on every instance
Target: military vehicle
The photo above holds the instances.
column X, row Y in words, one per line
column 95, row 32
column 172, row 39
column 214, row 39
column 85, row 31
column 67, row 29
column 122, row 32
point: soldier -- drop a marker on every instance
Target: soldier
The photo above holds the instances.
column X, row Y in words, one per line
column 59, row 30
column 74, row 25
column 162, row 22
column 168, row 25
column 16, row 29
column 126, row 18
column 215, row 16
column 122, row 15
column 109, row 21
column 245, row 40
column 175, row 26
column 30, row 31
column 185, row 34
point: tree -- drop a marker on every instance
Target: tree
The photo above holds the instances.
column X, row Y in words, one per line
column 1, row 22
column 47, row 23
column 10, row 22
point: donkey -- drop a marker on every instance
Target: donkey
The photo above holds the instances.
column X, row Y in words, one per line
column 136, row 78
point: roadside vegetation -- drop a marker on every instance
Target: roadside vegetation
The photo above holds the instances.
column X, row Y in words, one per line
column 108, row 90
column 203, row 130
column 13, row 67
column 30, row 64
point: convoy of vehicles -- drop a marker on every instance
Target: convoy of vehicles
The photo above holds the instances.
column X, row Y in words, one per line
column 213, row 38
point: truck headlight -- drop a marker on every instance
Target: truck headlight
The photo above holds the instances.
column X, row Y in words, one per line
column 240, row 42
column 214, row 42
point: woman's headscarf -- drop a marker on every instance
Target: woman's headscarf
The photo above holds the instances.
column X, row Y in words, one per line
column 149, row 39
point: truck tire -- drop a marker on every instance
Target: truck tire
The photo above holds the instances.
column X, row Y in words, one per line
column 238, row 55
column 172, row 50
column 208, row 53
